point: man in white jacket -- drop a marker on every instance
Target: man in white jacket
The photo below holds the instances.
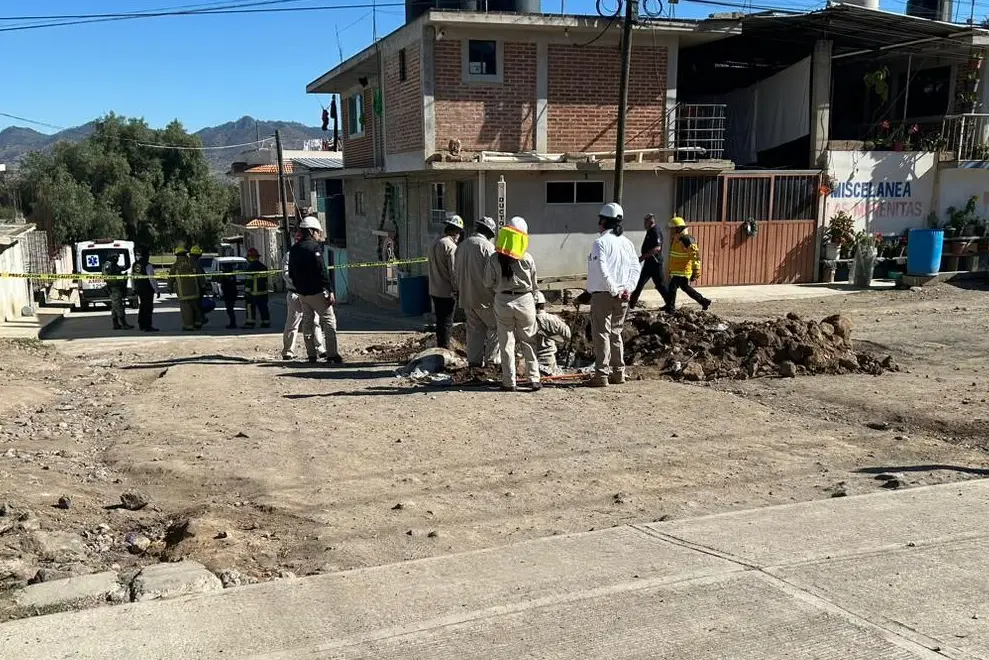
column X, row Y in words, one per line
column 295, row 313
column 612, row 273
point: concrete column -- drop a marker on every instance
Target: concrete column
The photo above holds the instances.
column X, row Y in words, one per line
column 542, row 92
column 427, row 66
column 672, row 66
column 820, row 102
column 982, row 89
column 481, row 196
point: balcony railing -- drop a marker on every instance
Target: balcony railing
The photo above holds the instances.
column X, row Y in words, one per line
column 698, row 131
column 966, row 136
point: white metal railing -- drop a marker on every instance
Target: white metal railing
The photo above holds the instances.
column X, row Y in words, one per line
column 698, row 131
column 966, row 136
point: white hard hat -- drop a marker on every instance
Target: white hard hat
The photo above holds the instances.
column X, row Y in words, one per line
column 489, row 224
column 540, row 298
column 519, row 223
column 455, row 220
column 309, row 222
column 611, row 210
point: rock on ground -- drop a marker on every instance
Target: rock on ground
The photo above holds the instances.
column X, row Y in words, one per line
column 61, row 547
column 72, row 592
column 170, row 580
column 134, row 500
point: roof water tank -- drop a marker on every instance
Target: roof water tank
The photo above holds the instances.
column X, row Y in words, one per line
column 513, row 6
column 868, row 4
column 936, row 10
column 416, row 8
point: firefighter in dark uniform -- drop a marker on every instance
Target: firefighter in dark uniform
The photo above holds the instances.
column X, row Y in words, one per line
column 256, row 291
column 116, row 287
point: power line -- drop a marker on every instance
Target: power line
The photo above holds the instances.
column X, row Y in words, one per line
column 32, row 121
column 162, row 11
column 201, row 12
column 188, row 148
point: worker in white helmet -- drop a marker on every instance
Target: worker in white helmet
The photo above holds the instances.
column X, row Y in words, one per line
column 511, row 275
column 549, row 327
column 476, row 299
column 442, row 277
column 311, row 278
column 612, row 273
column 295, row 314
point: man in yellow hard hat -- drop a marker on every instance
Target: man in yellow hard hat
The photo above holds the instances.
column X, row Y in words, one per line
column 182, row 282
column 685, row 265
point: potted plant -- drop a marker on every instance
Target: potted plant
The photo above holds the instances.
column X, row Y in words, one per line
column 839, row 232
column 866, row 245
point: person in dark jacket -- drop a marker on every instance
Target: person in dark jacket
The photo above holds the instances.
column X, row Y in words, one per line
column 228, row 289
column 651, row 258
column 146, row 287
column 256, row 291
column 311, row 278
column 116, row 286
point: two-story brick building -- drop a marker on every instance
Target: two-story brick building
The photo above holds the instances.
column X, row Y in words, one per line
column 475, row 104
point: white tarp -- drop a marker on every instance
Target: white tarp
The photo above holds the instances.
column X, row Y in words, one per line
column 770, row 113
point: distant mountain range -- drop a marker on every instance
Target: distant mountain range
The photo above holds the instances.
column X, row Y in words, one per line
column 16, row 141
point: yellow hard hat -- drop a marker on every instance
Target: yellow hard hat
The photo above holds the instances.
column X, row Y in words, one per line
column 196, row 251
column 677, row 221
column 181, row 251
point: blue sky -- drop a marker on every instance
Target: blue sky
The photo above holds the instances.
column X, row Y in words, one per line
column 203, row 70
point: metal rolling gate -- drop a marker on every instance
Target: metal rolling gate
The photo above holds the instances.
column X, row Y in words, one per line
column 785, row 208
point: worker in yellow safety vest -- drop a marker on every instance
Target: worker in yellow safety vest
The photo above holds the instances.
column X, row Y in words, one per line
column 182, row 281
column 256, row 291
column 684, row 266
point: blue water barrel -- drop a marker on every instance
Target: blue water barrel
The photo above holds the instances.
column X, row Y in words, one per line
column 924, row 251
column 413, row 295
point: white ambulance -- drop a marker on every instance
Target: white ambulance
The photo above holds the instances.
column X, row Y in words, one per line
column 88, row 258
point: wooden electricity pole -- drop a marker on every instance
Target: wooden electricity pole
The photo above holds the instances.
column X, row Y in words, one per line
column 631, row 14
column 281, row 190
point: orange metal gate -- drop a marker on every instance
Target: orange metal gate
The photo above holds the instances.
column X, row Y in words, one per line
column 785, row 209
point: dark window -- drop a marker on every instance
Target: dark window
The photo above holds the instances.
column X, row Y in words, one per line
column 698, row 198
column 482, row 58
column 589, row 192
column 403, row 72
column 559, row 192
column 928, row 93
column 92, row 260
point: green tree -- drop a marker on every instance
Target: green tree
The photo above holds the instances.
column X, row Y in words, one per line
column 152, row 186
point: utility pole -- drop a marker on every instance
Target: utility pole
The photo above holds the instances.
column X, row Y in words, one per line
column 631, row 14
column 281, row 190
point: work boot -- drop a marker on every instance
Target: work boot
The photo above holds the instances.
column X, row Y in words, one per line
column 334, row 359
column 667, row 309
column 127, row 326
column 265, row 324
column 231, row 326
column 117, row 326
column 597, row 380
column 507, row 388
column 616, row 378
column 536, row 386
column 705, row 304
column 288, row 357
column 152, row 330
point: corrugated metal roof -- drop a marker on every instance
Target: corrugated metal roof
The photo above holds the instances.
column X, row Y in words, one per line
column 320, row 162
column 854, row 29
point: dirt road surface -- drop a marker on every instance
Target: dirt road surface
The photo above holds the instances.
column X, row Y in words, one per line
column 264, row 467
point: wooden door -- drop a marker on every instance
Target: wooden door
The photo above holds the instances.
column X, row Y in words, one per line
column 784, row 207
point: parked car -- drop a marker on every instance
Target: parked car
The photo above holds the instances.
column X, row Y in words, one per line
column 226, row 265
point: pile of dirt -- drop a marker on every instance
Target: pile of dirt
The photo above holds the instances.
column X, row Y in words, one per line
column 693, row 345
column 404, row 351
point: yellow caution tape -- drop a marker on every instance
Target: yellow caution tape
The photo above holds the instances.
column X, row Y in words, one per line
column 99, row 277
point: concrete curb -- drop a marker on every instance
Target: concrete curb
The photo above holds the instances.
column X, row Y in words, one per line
column 56, row 321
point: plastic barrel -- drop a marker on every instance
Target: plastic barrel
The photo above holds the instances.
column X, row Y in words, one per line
column 413, row 295
column 924, row 251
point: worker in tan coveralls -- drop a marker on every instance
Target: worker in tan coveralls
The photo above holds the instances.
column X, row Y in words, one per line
column 441, row 277
column 476, row 299
column 549, row 328
column 182, row 281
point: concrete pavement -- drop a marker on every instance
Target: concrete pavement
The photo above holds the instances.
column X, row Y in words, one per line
column 891, row 575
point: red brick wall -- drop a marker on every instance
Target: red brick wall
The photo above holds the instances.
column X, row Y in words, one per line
column 486, row 116
column 403, row 103
column 359, row 152
column 582, row 100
